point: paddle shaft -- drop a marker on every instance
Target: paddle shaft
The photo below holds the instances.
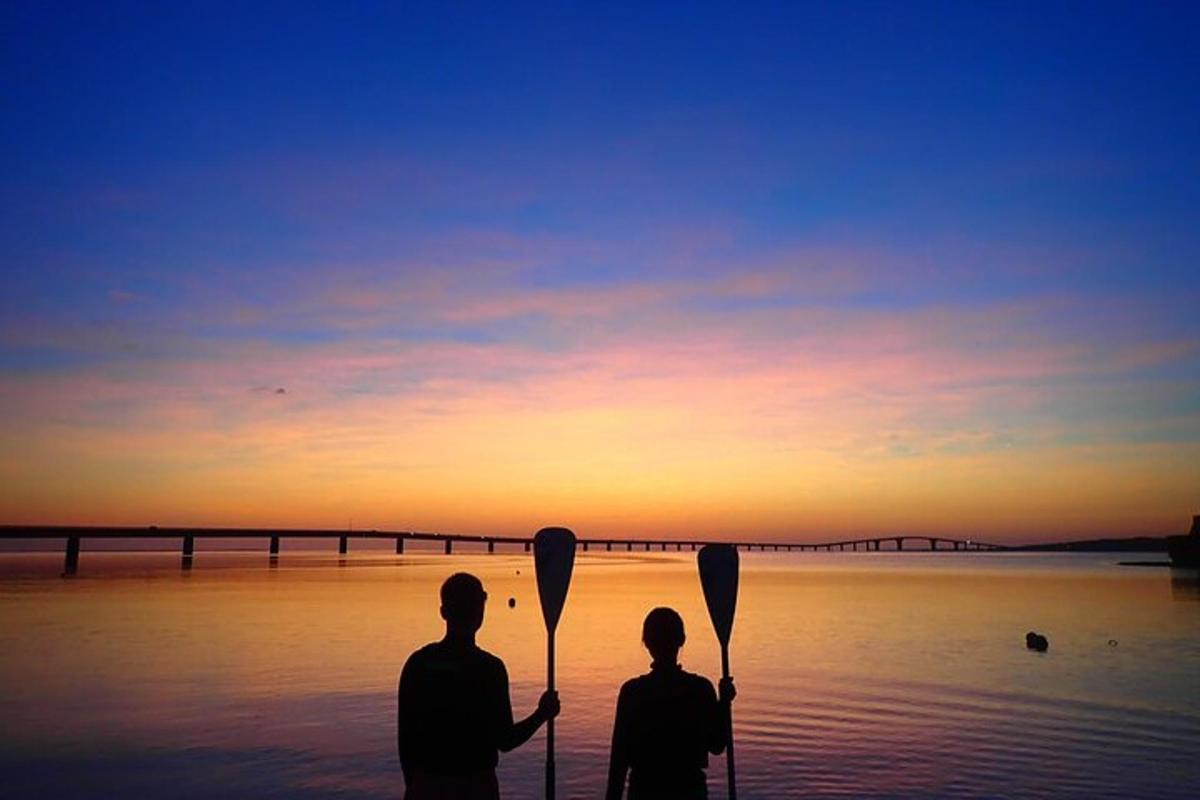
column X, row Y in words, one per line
column 729, row 770
column 550, row 722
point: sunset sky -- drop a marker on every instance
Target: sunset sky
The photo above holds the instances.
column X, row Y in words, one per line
column 784, row 274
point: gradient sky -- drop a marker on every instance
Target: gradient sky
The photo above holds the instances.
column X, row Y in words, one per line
column 709, row 269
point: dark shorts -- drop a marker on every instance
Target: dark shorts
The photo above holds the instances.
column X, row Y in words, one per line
column 477, row 786
column 690, row 785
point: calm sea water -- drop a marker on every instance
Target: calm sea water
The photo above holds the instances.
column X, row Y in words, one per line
column 859, row 675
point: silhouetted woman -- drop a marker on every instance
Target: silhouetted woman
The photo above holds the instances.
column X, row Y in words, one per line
column 668, row 721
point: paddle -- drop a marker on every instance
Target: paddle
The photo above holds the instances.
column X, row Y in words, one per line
column 719, row 577
column 553, row 559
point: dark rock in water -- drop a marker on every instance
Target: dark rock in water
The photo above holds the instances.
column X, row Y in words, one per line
column 1035, row 641
column 512, row 602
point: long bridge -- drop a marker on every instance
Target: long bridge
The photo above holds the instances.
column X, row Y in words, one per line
column 74, row 536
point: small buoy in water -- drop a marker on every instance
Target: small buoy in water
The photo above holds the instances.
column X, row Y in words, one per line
column 1035, row 641
column 518, row 572
column 1112, row 642
column 512, row 602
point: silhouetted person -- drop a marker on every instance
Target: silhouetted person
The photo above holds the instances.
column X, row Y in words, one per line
column 668, row 721
column 454, row 708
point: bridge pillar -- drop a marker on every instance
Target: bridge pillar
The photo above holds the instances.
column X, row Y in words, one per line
column 527, row 547
column 693, row 547
column 274, row 547
column 608, row 547
column 629, row 547
column 932, row 543
column 647, row 547
column 664, row 547
column 491, row 545
column 399, row 545
column 585, row 547
column 449, row 546
column 71, row 565
column 343, row 545
column 899, row 543
column 189, row 548
column 678, row 546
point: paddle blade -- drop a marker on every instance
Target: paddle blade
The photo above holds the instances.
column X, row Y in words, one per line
column 719, row 577
column 553, row 559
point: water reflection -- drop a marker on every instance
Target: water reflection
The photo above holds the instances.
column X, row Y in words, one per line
column 858, row 675
column 1185, row 585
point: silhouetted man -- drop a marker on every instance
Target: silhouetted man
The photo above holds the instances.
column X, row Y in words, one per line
column 668, row 721
column 454, row 708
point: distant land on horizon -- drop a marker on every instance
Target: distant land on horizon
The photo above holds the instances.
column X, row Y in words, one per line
column 1133, row 544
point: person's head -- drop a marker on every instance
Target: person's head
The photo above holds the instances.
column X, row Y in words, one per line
column 662, row 633
column 462, row 602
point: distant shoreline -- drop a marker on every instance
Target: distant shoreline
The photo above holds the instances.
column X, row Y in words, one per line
column 1136, row 544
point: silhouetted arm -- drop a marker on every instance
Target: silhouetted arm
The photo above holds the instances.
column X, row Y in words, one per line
column 514, row 734
column 618, row 758
column 405, row 695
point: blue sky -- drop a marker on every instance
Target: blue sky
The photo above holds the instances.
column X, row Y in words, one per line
column 204, row 194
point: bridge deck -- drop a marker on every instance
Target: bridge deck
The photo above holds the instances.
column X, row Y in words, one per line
column 73, row 534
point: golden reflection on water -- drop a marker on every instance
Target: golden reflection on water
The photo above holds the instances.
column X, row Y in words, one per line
column 873, row 675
